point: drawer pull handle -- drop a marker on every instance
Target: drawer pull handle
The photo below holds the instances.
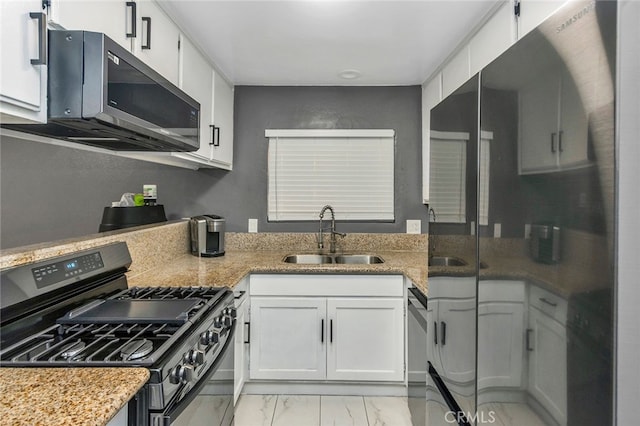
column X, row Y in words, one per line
column 435, row 333
column 147, row 45
column 42, row 38
column 322, row 331
column 543, row 300
column 132, row 5
column 443, row 337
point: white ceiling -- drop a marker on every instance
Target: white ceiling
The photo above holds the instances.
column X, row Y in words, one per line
column 311, row 42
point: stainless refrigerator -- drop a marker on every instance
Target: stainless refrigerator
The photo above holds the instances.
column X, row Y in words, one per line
column 522, row 274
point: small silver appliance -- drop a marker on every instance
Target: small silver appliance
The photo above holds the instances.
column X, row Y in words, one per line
column 545, row 243
column 207, row 235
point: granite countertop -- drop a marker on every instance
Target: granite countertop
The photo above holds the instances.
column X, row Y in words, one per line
column 66, row 396
column 228, row 270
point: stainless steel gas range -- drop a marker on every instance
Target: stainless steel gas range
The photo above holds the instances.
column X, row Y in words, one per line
column 77, row 311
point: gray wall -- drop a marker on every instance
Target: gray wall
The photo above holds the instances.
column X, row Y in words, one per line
column 50, row 192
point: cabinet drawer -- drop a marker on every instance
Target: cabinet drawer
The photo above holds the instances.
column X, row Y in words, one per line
column 550, row 303
column 326, row 285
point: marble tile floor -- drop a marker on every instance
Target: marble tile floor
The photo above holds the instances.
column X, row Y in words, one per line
column 306, row 410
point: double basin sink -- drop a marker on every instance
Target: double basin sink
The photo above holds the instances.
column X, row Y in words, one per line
column 324, row 259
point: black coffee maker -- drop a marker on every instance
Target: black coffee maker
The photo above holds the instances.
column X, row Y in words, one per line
column 207, row 235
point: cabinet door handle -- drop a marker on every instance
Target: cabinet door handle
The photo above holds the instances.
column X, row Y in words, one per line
column 215, row 135
column 42, row 38
column 248, row 324
column 132, row 5
column 543, row 300
column 330, row 331
column 435, row 333
column 560, row 141
column 443, row 329
column 528, row 339
column 147, row 45
column 322, row 330
column 553, row 142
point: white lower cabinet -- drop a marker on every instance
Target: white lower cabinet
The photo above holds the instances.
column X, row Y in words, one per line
column 287, row 338
column 240, row 353
column 331, row 329
column 547, row 350
column 501, row 324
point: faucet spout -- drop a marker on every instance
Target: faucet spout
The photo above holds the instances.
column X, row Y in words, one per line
column 332, row 242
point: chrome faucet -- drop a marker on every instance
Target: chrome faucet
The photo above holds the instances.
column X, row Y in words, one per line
column 432, row 237
column 332, row 241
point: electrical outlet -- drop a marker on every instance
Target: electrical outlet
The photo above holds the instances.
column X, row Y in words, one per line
column 527, row 230
column 253, row 225
column 472, row 231
column 497, row 230
column 414, row 226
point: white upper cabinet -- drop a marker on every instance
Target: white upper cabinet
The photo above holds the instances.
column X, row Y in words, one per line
column 157, row 40
column 222, row 155
column 23, row 78
column 533, row 12
column 196, row 79
column 496, row 36
column 116, row 19
column 456, row 72
column 553, row 125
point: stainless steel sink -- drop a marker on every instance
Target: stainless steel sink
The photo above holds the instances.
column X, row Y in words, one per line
column 359, row 259
column 314, row 259
column 446, row 261
column 323, row 259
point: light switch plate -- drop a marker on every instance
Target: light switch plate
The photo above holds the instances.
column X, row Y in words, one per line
column 497, row 230
column 414, row 226
column 253, row 225
column 527, row 230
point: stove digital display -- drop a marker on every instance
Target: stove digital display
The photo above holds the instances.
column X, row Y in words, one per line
column 60, row 271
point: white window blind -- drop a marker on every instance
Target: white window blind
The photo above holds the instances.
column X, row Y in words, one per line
column 485, row 159
column 447, row 175
column 352, row 170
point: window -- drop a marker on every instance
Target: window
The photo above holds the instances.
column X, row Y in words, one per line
column 352, row 170
column 447, row 175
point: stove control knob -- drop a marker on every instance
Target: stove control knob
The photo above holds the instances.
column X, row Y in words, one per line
column 194, row 357
column 231, row 312
column 227, row 321
column 217, row 322
column 208, row 337
column 181, row 374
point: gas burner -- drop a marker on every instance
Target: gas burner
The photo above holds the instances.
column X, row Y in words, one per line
column 72, row 349
column 136, row 349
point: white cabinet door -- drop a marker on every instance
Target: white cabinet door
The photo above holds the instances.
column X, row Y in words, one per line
column 23, row 84
column 495, row 36
column 456, row 72
column 574, row 126
column 196, row 79
column 366, row 339
column 113, row 18
column 548, row 363
column 222, row 149
column 240, row 360
column 500, row 344
column 288, row 338
column 533, row 12
column 456, row 336
column 157, row 40
column 539, row 125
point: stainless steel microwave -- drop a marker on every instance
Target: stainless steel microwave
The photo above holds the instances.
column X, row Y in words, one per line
column 100, row 94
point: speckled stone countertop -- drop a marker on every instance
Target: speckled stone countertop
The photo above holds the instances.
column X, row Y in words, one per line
column 66, row 396
column 229, row 269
